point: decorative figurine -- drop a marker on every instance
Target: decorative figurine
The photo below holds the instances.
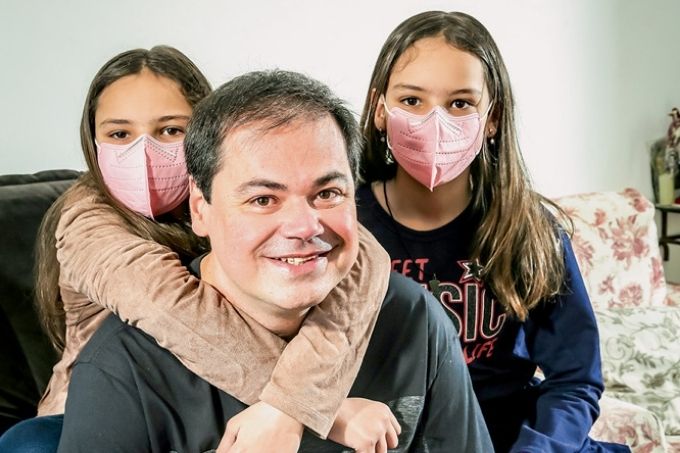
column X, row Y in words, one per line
column 673, row 135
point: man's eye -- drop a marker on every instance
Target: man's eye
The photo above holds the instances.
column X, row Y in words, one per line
column 329, row 197
column 262, row 201
column 327, row 194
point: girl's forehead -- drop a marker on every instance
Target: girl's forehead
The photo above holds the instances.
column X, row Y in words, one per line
column 435, row 62
column 141, row 95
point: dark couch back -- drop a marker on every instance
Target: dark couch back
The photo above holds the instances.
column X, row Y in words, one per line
column 26, row 357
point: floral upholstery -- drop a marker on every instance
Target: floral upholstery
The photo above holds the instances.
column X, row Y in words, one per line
column 626, row 423
column 641, row 359
column 615, row 241
column 673, row 294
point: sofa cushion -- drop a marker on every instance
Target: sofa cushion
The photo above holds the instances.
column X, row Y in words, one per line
column 615, row 241
column 26, row 357
column 673, row 294
column 641, row 359
column 631, row 425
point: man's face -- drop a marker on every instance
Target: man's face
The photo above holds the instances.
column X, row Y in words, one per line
column 282, row 218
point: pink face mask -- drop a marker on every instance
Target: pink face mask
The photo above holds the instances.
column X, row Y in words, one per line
column 147, row 176
column 436, row 147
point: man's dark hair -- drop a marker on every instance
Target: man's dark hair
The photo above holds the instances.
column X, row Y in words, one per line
column 271, row 99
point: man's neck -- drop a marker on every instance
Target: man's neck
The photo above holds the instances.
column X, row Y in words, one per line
column 285, row 324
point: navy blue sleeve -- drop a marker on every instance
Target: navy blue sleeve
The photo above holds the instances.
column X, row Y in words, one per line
column 102, row 414
column 452, row 417
column 561, row 337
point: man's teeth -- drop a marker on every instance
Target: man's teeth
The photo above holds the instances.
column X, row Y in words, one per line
column 297, row 261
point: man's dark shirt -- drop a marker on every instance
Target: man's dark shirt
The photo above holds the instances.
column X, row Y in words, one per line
column 128, row 394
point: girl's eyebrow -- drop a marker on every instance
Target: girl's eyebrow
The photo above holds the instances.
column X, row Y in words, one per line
column 472, row 91
column 162, row 119
column 113, row 121
column 173, row 117
column 407, row 86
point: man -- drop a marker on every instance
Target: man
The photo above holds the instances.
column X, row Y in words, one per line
column 273, row 157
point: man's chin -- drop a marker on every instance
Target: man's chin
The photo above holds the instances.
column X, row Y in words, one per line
column 305, row 297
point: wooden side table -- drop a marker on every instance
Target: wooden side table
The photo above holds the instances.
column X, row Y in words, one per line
column 665, row 239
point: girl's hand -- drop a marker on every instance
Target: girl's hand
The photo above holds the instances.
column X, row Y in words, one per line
column 261, row 428
column 366, row 426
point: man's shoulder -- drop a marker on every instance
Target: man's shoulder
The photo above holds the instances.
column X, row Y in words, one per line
column 406, row 292
column 128, row 355
column 105, row 337
column 407, row 301
column 114, row 342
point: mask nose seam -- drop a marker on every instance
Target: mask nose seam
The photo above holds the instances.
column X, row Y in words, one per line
column 148, row 145
column 433, row 172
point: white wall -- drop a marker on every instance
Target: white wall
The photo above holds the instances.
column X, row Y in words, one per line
column 594, row 80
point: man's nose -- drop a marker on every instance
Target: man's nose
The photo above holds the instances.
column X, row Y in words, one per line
column 302, row 221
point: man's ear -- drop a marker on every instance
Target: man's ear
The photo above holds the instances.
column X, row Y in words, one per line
column 379, row 117
column 199, row 208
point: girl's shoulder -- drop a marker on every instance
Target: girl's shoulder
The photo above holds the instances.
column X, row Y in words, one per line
column 558, row 218
column 83, row 194
column 84, row 206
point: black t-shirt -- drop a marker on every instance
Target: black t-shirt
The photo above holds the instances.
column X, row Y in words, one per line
column 127, row 394
column 440, row 261
column 559, row 335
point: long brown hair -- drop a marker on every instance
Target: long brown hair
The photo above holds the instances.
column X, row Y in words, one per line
column 171, row 231
column 517, row 241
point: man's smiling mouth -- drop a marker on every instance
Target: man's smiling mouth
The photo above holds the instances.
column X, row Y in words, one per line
column 298, row 261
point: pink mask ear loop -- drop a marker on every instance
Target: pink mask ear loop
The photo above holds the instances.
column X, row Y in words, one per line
column 484, row 116
column 388, row 113
column 488, row 110
column 482, row 121
column 384, row 103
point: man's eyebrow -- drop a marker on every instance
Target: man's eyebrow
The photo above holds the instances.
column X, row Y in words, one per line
column 260, row 183
column 273, row 185
column 332, row 176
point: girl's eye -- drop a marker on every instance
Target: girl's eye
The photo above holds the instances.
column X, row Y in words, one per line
column 411, row 101
column 460, row 104
column 172, row 131
column 119, row 135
